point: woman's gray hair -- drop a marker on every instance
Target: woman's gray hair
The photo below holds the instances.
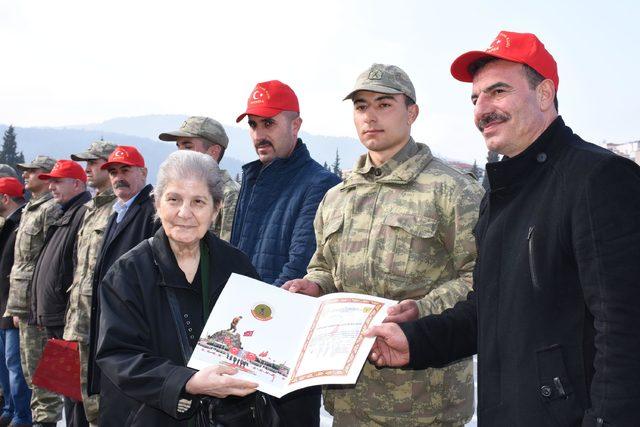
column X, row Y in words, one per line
column 186, row 164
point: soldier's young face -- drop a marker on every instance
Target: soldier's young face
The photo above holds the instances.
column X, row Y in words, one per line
column 63, row 189
column 127, row 181
column 186, row 210
column 383, row 121
column 32, row 182
column 506, row 110
column 96, row 177
column 274, row 137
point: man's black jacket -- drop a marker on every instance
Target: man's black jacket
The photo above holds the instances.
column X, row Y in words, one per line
column 7, row 243
column 556, row 299
column 53, row 273
column 137, row 225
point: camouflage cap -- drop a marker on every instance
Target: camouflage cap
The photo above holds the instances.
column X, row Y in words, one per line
column 199, row 127
column 97, row 150
column 384, row 78
column 40, row 162
column 7, row 171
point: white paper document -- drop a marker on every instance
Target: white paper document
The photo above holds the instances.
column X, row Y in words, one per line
column 285, row 341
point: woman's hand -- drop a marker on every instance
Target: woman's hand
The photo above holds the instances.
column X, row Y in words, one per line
column 216, row 381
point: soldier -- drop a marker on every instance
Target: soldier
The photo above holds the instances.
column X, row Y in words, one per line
column 399, row 227
column 37, row 217
column 88, row 243
column 131, row 222
column 54, row 270
column 207, row 136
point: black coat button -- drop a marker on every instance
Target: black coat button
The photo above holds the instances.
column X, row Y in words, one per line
column 545, row 390
column 541, row 157
column 377, row 172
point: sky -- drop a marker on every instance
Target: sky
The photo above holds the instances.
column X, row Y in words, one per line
column 76, row 62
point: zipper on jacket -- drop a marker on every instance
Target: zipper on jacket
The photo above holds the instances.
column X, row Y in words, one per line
column 532, row 266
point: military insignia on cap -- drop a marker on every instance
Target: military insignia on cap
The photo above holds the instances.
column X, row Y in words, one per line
column 375, row 74
column 262, row 312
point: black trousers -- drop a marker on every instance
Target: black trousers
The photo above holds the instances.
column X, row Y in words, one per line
column 300, row 408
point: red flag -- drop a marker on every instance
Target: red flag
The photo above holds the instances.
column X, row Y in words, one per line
column 248, row 333
column 264, row 354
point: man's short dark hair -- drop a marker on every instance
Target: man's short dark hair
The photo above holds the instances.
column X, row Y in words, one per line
column 534, row 78
column 208, row 144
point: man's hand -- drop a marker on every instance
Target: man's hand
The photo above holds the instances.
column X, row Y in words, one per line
column 16, row 321
column 391, row 347
column 404, row 311
column 303, row 286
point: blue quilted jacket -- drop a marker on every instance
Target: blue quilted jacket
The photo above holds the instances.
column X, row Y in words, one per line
column 273, row 223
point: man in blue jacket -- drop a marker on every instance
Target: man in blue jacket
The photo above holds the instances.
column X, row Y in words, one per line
column 280, row 193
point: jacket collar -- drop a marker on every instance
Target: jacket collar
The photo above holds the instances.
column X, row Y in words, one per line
column 512, row 171
column 15, row 216
column 166, row 261
column 280, row 166
column 77, row 200
column 103, row 198
column 34, row 203
column 402, row 168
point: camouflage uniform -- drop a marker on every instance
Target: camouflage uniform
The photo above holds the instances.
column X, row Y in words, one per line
column 402, row 230
column 38, row 215
column 399, row 231
column 224, row 221
column 211, row 130
column 78, row 314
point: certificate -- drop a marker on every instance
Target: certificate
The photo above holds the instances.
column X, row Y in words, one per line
column 285, row 341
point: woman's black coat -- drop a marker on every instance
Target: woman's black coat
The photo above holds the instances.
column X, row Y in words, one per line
column 556, row 298
column 139, row 349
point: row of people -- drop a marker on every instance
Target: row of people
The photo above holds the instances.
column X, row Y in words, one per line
column 546, row 307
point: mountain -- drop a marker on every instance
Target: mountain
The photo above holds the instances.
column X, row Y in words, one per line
column 142, row 132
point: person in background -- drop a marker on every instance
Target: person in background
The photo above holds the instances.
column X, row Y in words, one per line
column 206, row 135
column 37, row 217
column 131, row 221
column 278, row 200
column 89, row 240
column 16, row 411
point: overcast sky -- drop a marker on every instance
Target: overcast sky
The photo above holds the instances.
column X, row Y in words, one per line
column 75, row 62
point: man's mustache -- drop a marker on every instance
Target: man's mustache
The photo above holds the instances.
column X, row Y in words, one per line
column 490, row 118
column 121, row 184
column 264, row 143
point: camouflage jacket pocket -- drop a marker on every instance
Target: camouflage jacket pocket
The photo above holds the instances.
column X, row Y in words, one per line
column 405, row 242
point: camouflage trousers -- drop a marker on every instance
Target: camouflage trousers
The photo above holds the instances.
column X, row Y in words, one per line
column 46, row 406
column 90, row 403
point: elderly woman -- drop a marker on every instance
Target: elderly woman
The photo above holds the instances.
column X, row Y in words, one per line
column 155, row 301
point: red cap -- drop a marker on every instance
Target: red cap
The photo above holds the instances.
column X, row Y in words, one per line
column 65, row 169
column 524, row 48
column 124, row 155
column 270, row 98
column 11, row 187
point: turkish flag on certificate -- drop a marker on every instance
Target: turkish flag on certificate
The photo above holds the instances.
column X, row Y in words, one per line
column 59, row 368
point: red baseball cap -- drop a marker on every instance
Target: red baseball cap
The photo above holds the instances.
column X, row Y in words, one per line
column 124, row 155
column 270, row 98
column 524, row 48
column 65, row 169
column 11, row 187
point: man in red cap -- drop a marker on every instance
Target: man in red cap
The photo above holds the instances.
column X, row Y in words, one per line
column 556, row 281
column 278, row 200
column 131, row 222
column 54, row 270
column 16, row 409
